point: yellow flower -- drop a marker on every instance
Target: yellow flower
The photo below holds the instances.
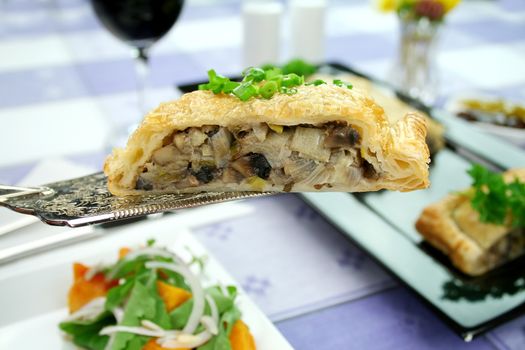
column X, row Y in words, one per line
column 449, row 4
column 394, row 5
column 387, row 5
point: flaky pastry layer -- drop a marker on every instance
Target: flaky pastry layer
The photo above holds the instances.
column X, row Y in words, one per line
column 398, row 152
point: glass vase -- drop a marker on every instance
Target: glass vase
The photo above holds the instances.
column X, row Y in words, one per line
column 415, row 72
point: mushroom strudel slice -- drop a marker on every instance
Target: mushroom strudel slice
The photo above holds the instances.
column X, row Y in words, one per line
column 321, row 138
column 453, row 226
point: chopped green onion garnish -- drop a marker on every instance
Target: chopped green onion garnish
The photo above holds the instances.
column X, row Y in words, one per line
column 216, row 82
column 289, row 91
column 292, row 79
column 254, row 74
column 245, row 90
column 316, row 82
column 273, row 73
column 230, row 86
column 212, row 74
column 268, row 89
column 263, row 82
column 341, row 83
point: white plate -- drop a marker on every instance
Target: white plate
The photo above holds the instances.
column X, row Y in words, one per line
column 513, row 135
column 37, row 298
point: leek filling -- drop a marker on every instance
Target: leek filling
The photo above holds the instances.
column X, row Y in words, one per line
column 259, row 155
column 509, row 247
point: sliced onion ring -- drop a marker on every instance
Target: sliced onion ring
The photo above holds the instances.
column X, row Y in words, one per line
column 186, row 341
column 196, row 290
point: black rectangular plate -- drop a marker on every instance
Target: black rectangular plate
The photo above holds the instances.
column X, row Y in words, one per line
column 385, row 228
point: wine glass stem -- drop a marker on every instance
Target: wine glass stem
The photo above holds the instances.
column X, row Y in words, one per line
column 142, row 69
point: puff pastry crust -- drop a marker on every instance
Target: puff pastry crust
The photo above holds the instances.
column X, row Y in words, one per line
column 395, row 108
column 452, row 226
column 397, row 154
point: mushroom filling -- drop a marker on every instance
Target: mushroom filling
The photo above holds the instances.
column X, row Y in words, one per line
column 280, row 156
column 509, row 247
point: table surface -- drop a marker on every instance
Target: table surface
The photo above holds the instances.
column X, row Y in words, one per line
column 60, row 71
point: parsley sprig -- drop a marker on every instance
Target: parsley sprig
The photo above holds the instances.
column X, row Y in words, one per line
column 495, row 200
column 260, row 83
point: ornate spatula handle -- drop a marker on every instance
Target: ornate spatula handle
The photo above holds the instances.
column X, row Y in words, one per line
column 86, row 200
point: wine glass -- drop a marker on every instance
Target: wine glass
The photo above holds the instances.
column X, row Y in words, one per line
column 139, row 23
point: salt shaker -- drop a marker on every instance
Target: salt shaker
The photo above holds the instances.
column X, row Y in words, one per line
column 307, row 20
column 261, row 31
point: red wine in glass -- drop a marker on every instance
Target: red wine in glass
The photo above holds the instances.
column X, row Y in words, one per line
column 139, row 23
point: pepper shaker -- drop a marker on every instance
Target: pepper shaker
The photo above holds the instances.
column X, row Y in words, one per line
column 261, row 31
column 307, row 20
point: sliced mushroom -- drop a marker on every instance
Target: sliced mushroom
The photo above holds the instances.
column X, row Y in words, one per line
column 253, row 164
column 341, row 137
column 369, row 172
column 260, row 165
column 210, row 130
column 243, row 166
column 205, row 174
column 188, row 181
column 143, row 184
column 229, row 175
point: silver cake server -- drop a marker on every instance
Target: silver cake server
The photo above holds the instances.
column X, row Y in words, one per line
column 86, row 200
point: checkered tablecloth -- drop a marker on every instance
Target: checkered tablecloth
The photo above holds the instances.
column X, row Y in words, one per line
column 63, row 80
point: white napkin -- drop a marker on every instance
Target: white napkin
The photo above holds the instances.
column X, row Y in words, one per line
column 46, row 171
column 52, row 170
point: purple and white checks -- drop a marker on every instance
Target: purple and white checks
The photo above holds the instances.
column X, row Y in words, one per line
column 60, row 71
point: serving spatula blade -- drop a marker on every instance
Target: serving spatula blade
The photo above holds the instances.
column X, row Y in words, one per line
column 86, row 200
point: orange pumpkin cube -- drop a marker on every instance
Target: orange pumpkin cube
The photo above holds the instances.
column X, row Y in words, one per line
column 240, row 337
column 171, row 295
column 152, row 345
column 83, row 291
column 123, row 252
column 79, row 271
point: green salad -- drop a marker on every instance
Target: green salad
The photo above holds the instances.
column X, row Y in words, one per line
column 150, row 299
